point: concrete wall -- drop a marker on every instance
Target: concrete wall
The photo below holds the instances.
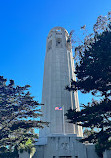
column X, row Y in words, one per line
column 65, row 145
column 90, row 151
column 24, row 155
column 42, row 152
column 107, row 154
column 61, row 145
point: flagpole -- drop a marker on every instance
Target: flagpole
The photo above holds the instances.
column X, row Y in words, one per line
column 63, row 121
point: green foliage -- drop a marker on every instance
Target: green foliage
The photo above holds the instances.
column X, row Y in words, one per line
column 28, row 147
column 87, row 132
column 8, row 152
column 19, row 114
column 100, row 148
column 93, row 71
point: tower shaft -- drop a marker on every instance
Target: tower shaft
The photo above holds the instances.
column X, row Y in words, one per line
column 58, row 72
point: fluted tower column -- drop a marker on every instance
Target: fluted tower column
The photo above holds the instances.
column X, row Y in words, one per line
column 58, row 72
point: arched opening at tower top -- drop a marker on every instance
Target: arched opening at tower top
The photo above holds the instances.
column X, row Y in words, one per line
column 58, row 30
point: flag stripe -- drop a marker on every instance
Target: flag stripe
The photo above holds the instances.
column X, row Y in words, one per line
column 58, row 108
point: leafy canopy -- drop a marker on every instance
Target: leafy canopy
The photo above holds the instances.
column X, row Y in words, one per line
column 93, row 71
column 19, row 114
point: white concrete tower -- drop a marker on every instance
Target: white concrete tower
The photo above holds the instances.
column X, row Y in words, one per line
column 58, row 72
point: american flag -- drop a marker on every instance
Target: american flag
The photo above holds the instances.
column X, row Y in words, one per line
column 58, row 108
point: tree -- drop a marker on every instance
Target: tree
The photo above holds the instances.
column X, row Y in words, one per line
column 19, row 114
column 93, row 72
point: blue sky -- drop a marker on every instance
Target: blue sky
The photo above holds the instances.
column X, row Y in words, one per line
column 24, row 26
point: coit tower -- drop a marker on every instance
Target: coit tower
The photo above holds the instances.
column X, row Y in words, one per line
column 58, row 72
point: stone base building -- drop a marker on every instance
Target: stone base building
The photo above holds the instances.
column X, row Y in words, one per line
column 64, row 146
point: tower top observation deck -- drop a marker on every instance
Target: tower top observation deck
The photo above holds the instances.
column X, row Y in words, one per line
column 59, row 30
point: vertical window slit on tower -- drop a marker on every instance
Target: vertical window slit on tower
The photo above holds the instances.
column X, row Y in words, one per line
column 59, row 42
column 50, row 45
